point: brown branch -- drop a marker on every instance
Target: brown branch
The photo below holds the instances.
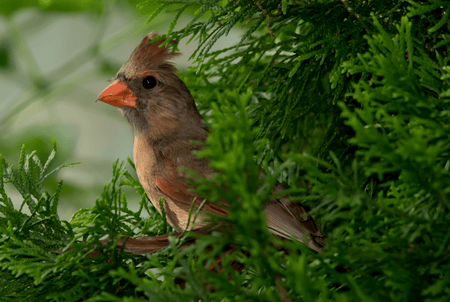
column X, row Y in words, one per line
column 267, row 17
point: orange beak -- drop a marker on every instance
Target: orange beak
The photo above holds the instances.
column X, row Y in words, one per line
column 118, row 94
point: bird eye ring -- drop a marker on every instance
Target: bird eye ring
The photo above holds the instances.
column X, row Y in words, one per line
column 149, row 82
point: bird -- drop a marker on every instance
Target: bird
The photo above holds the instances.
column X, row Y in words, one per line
column 165, row 122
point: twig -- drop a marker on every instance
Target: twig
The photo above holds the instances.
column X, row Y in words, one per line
column 267, row 17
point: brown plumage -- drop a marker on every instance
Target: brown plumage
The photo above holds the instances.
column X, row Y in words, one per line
column 165, row 120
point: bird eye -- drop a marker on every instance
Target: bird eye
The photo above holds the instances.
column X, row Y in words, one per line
column 149, row 82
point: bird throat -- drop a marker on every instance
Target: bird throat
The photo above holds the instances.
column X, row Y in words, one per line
column 137, row 120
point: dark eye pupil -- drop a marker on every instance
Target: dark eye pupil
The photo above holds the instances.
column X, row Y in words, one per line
column 149, row 82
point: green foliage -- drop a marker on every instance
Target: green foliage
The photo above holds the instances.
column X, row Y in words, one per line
column 10, row 7
column 347, row 102
column 29, row 237
column 29, row 243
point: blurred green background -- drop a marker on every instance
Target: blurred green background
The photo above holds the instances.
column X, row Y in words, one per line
column 55, row 59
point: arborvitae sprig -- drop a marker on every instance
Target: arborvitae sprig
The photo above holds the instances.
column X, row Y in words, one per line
column 401, row 131
column 30, row 267
column 25, row 240
column 29, row 181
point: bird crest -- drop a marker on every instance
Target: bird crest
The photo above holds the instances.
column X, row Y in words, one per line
column 148, row 55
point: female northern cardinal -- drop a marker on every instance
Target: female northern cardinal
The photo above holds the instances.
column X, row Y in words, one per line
column 165, row 120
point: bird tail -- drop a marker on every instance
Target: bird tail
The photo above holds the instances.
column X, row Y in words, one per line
column 285, row 218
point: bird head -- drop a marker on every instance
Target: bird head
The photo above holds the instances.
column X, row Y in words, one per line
column 153, row 99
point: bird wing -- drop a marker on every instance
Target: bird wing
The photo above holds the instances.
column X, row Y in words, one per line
column 284, row 218
column 176, row 187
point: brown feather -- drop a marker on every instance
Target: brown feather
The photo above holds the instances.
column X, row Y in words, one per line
column 149, row 55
